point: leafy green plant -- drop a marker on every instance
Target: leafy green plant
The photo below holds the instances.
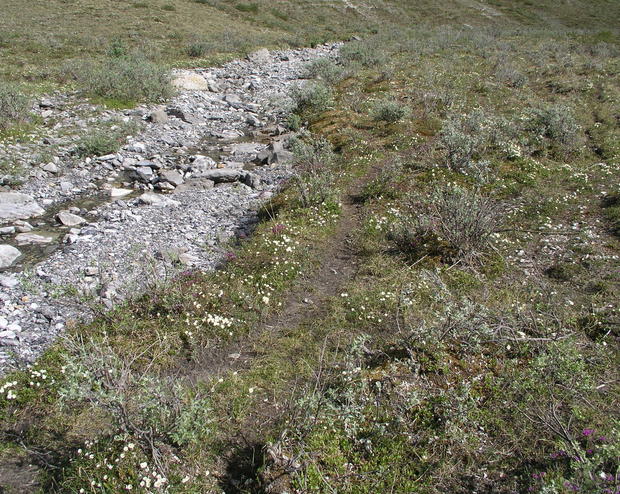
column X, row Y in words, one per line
column 98, row 143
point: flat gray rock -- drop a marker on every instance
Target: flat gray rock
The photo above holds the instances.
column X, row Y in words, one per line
column 16, row 206
column 69, row 219
column 32, row 238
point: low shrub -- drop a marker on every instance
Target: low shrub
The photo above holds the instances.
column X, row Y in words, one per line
column 363, row 53
column 250, row 8
column 451, row 222
column 100, row 142
column 510, row 76
column 198, row 48
column 14, row 106
column 388, row 111
column 464, row 138
column 557, row 124
column 313, row 97
column 611, row 205
column 314, row 161
column 127, row 78
column 325, row 69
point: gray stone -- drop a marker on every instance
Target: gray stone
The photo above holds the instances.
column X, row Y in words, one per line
column 66, row 186
column 171, row 176
column 183, row 115
column 150, row 164
column 50, row 167
column 7, row 230
column 213, row 86
column 158, row 116
column 190, row 81
column 143, row 174
column 32, row 238
column 9, row 281
column 195, row 184
column 23, row 226
column 219, row 175
column 69, row 219
column 281, row 157
column 137, row 147
column 200, row 164
column 114, row 192
column 252, row 120
column 251, row 180
column 8, row 255
column 261, row 56
column 16, row 206
column 152, row 199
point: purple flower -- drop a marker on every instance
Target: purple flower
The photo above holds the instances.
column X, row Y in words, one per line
column 587, row 432
column 277, row 229
column 231, row 256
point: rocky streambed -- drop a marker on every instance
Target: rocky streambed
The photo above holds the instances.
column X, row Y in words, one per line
column 103, row 227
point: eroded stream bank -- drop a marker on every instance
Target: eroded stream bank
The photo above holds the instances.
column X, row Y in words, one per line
column 180, row 188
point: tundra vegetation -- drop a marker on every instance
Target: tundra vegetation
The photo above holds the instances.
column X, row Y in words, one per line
column 431, row 304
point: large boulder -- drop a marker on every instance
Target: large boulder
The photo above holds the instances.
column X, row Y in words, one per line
column 8, row 255
column 172, row 177
column 16, row 206
column 261, row 56
column 190, row 81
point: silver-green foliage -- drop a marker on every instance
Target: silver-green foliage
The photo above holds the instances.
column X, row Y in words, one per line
column 314, row 160
column 450, row 221
column 14, row 105
column 153, row 409
column 127, row 78
column 389, row 111
column 326, row 70
column 311, row 97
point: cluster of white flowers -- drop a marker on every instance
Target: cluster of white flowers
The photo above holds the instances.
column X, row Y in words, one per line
column 218, row 321
column 6, row 388
column 151, row 477
column 38, row 377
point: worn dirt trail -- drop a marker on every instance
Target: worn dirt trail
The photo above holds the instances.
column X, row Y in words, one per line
column 309, row 303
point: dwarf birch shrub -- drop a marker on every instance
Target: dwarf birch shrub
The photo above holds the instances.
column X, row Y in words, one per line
column 450, row 221
column 14, row 105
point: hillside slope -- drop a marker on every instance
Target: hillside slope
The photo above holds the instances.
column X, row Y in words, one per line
column 36, row 38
